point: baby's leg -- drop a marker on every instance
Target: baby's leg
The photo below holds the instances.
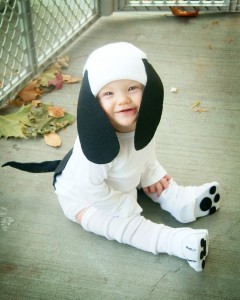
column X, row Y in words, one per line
column 143, row 234
column 188, row 203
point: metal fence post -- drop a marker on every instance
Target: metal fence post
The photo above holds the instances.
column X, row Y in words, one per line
column 26, row 23
column 106, row 7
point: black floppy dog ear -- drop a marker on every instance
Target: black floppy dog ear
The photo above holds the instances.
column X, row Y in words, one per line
column 150, row 111
column 98, row 139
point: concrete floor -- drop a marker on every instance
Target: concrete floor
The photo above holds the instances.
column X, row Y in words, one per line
column 45, row 256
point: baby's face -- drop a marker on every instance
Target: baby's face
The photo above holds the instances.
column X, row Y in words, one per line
column 121, row 100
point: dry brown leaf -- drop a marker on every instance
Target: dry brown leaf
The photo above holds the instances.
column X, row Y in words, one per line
column 180, row 12
column 17, row 102
column 70, row 79
column 29, row 92
column 56, row 66
column 64, row 61
column 61, row 62
column 56, row 112
column 52, row 139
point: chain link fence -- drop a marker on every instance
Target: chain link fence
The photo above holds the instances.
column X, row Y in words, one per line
column 33, row 32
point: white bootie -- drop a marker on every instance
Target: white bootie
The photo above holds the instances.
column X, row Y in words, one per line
column 186, row 204
column 187, row 243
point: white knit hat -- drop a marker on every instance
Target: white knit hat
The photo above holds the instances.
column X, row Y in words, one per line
column 115, row 61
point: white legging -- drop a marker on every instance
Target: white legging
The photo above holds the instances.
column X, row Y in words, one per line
column 143, row 234
column 136, row 230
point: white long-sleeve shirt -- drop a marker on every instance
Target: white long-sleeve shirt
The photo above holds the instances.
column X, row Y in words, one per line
column 112, row 186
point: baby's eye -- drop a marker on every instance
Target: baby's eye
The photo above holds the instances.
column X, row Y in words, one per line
column 105, row 94
column 132, row 88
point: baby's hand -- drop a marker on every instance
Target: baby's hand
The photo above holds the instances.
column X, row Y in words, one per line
column 159, row 186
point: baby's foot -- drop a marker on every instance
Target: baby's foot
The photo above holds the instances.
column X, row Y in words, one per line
column 208, row 196
column 192, row 245
column 188, row 203
column 198, row 245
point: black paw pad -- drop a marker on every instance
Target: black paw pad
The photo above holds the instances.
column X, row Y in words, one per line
column 210, row 200
column 203, row 263
column 205, row 204
column 203, row 243
column 216, row 198
column 204, row 249
column 212, row 190
column 212, row 210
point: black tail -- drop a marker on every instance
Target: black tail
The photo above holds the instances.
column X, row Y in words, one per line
column 43, row 167
column 56, row 166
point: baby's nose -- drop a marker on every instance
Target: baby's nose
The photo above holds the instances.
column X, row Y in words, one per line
column 124, row 99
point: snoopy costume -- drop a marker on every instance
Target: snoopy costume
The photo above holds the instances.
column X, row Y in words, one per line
column 104, row 169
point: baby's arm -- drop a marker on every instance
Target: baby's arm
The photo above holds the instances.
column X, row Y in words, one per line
column 159, row 186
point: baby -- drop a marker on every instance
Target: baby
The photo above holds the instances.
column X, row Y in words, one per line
column 119, row 109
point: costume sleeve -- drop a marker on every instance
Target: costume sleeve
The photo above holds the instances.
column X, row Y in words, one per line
column 154, row 171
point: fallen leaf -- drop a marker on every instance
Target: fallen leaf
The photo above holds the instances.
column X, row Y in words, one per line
column 17, row 102
column 180, row 12
column 52, row 139
column 40, row 122
column 12, row 125
column 47, row 89
column 10, row 128
column 29, row 92
column 46, row 76
column 35, row 103
column 63, row 62
column 195, row 107
column 54, row 111
column 200, row 109
column 30, row 121
column 57, row 81
column 195, row 103
column 70, row 79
